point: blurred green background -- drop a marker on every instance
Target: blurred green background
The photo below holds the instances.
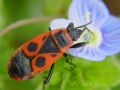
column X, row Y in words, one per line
column 87, row 75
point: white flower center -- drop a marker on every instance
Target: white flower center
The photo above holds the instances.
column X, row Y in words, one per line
column 94, row 39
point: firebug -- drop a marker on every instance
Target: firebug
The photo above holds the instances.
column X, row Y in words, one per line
column 42, row 52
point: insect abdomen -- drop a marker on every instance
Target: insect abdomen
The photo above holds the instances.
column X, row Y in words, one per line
column 20, row 66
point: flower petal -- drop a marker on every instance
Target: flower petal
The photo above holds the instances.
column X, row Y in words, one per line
column 79, row 9
column 111, row 36
column 59, row 23
column 88, row 53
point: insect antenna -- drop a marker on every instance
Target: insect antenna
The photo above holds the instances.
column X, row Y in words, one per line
column 83, row 25
column 88, row 30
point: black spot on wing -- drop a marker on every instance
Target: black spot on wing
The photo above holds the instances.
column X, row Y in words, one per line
column 40, row 62
column 32, row 47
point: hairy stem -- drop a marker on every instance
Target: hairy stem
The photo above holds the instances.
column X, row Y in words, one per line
column 20, row 23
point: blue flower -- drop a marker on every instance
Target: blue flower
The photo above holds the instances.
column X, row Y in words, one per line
column 105, row 40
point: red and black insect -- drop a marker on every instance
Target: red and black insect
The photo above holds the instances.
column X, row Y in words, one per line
column 43, row 51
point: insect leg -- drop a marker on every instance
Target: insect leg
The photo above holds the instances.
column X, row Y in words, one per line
column 79, row 45
column 46, row 81
column 68, row 59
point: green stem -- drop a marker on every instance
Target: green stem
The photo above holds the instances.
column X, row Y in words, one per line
column 20, row 23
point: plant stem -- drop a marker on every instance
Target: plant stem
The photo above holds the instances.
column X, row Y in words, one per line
column 23, row 22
